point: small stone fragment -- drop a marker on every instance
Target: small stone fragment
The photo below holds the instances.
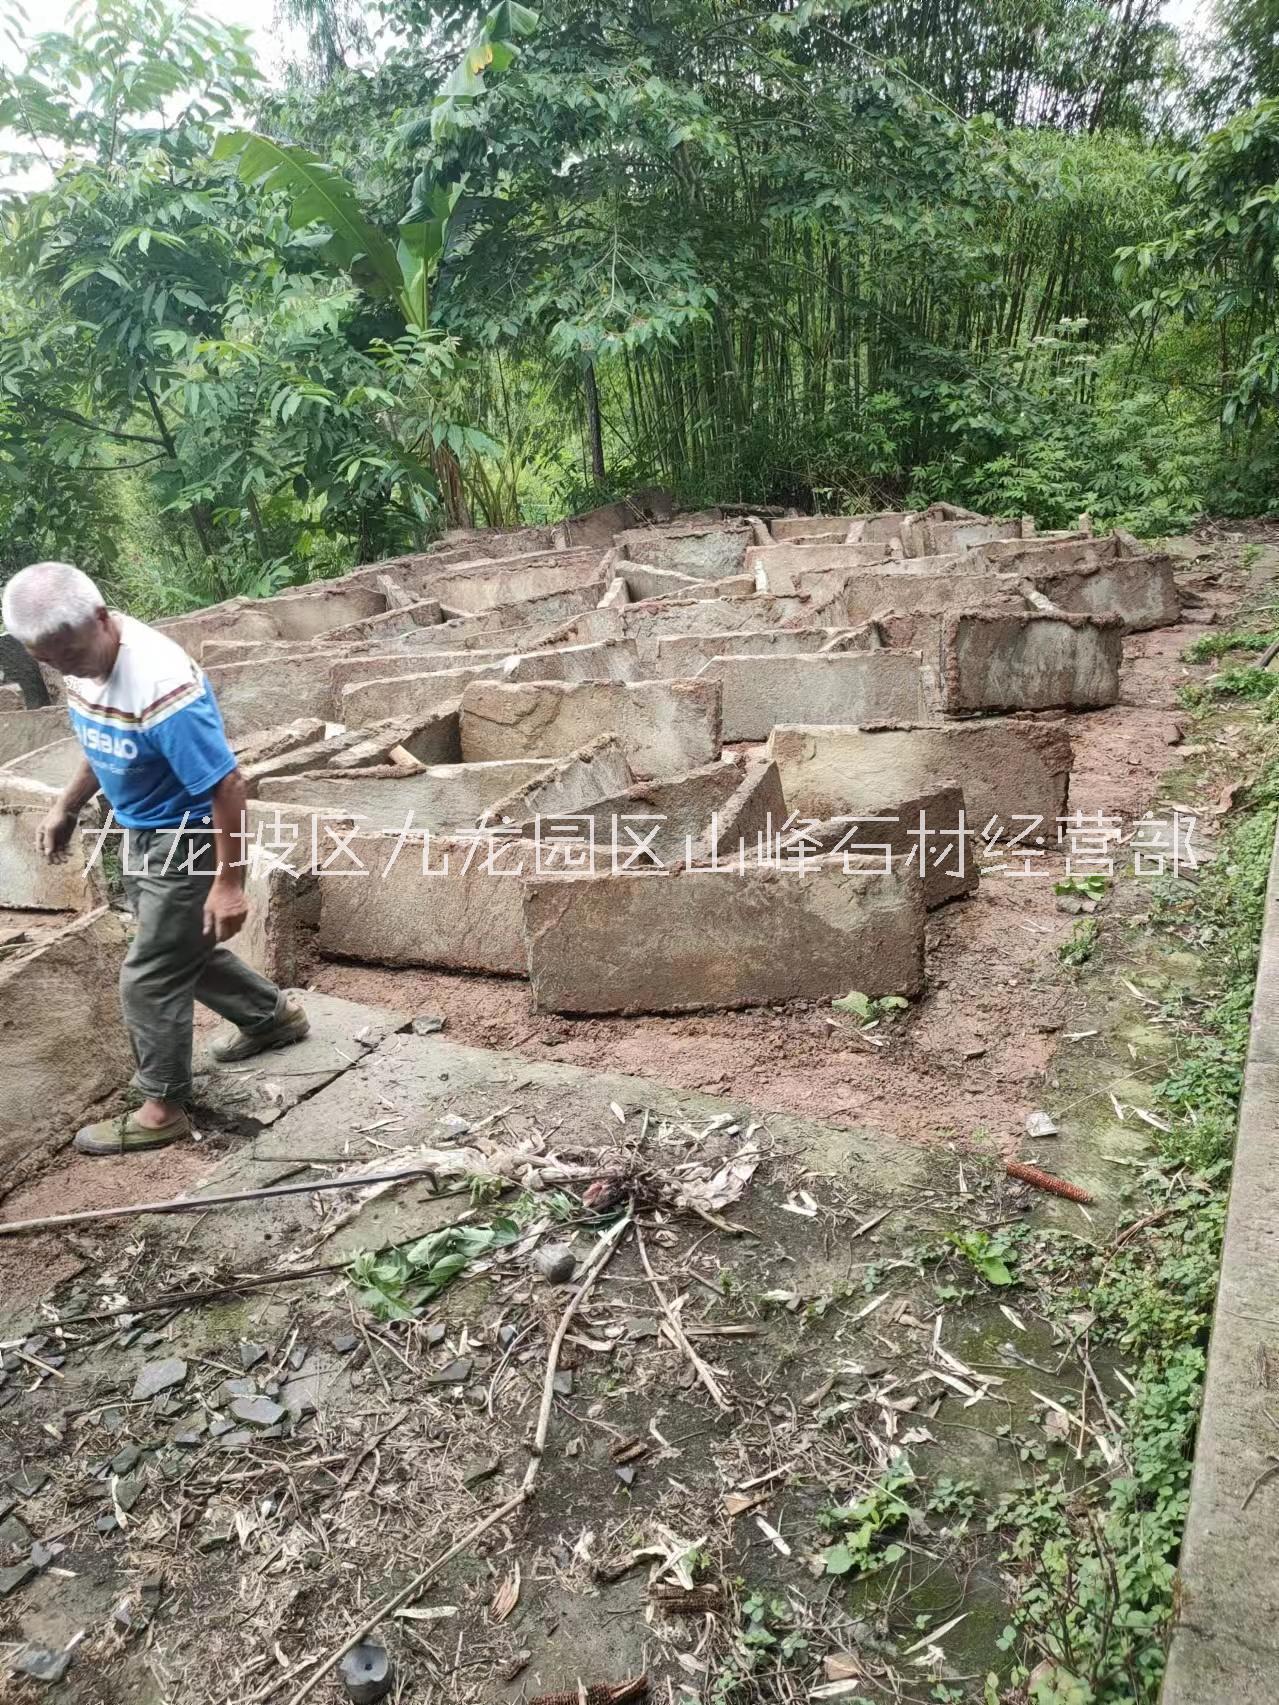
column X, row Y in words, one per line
column 556, row 1262
column 626, row 1474
column 159, row 1376
column 563, row 1383
column 436, row 1333
column 218, row 1426
column 42, row 1554
column 345, row 1342
column 17, row 1576
column 454, row 1372
column 124, row 1459
column 28, row 1481
column 297, row 1355
column 644, row 1327
column 481, row 1471
column 213, row 1538
column 127, row 1492
column 258, row 1411
column 43, row 1665
column 14, row 1533
column 426, row 1024
column 366, row 1673
column 106, row 1523
column 152, row 1588
column 454, row 1126
column 1039, row 1124
column 506, row 1336
column 251, row 1355
column 237, row 1439
column 237, row 1388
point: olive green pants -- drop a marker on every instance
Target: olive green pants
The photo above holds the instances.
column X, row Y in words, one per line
column 172, row 963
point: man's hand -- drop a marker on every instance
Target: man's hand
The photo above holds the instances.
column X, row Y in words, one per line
column 225, row 911
column 54, row 834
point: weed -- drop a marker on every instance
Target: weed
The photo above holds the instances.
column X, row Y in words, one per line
column 989, row 1255
column 861, row 1525
column 1081, row 944
column 1210, row 646
column 1090, row 887
column 862, row 1006
column 395, row 1283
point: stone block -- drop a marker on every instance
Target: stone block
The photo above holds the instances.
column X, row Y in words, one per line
column 665, row 727
column 23, row 731
column 1141, row 591
column 651, row 504
column 514, row 581
column 1012, row 770
column 382, row 799
column 653, row 825
column 681, row 656
column 63, row 1047
column 702, row 552
column 432, row 738
column 53, row 765
column 252, row 696
column 722, row 938
column 402, row 618
column 453, row 903
column 929, row 830
column 414, row 695
column 566, row 787
column 283, row 891
column 644, row 582
column 606, row 660
column 839, row 687
column 1028, row 662
column 777, row 568
column 880, row 527
column 27, row 880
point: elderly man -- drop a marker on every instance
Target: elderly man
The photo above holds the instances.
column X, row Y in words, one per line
column 153, row 743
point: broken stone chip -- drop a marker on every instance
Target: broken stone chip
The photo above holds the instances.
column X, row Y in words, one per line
column 251, row 1354
column 454, row 1372
column 366, row 1673
column 28, row 1481
column 159, row 1376
column 17, row 1576
column 41, row 1664
column 258, row 1411
column 14, row 1533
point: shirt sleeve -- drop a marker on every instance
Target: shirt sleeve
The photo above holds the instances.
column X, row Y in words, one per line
column 194, row 744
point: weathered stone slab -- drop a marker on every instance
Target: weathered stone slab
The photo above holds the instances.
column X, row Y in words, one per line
column 840, row 687
column 28, row 880
column 414, row 695
column 929, row 830
column 606, row 660
column 1031, row 662
column 53, row 765
column 63, row 1046
column 280, row 853
column 722, row 938
column 463, row 912
column 442, row 796
column 518, row 579
column 1142, row 591
column 664, row 726
column 879, row 527
column 863, row 594
column 681, row 656
column 255, row 695
column 702, row 552
column 644, row 582
column 777, row 568
column 402, row 618
column 568, row 787
column 23, row 731
column 1012, row 770
column 272, row 743
column 432, row 738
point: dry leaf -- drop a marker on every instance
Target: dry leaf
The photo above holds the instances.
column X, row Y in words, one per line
column 506, row 1597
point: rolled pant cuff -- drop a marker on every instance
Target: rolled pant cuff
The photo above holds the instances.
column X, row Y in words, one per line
column 161, row 1091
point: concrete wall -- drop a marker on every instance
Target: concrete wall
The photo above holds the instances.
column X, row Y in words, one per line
column 721, row 938
column 1012, row 771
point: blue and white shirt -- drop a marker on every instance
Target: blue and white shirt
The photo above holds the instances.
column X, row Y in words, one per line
column 152, row 732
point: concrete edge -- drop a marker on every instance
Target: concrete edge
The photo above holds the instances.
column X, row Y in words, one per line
column 1225, row 1642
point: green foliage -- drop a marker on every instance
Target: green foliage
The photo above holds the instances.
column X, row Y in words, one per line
column 1090, row 887
column 989, row 1255
column 866, row 1007
column 1081, row 944
column 394, row 1284
column 1210, row 646
column 863, row 1524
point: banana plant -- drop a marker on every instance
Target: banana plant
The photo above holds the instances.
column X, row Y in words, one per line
column 320, row 195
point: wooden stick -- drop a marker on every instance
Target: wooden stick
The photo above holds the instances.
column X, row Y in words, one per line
column 392, row 1604
column 605, row 1249
column 198, row 1204
column 700, row 1368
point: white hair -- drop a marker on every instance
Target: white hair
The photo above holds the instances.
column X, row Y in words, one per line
column 45, row 598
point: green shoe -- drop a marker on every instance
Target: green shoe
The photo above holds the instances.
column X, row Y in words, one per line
column 123, row 1135
column 290, row 1024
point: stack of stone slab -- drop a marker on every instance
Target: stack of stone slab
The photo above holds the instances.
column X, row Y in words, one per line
column 577, row 754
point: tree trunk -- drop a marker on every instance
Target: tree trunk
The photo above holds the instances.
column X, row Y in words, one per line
column 594, row 426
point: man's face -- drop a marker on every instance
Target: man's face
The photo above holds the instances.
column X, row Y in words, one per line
column 88, row 651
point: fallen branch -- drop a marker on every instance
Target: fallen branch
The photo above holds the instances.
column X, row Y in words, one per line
column 700, row 1368
column 605, row 1249
column 1045, row 1181
column 393, row 1604
column 200, row 1204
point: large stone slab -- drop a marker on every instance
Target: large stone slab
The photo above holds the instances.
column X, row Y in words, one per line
column 880, row 527
column 253, row 696
column 703, row 553
column 401, row 618
column 607, row 660
column 777, row 568
column 1029, row 662
column 415, row 694
column 664, row 726
column 722, row 938
column 466, row 592
column 642, row 581
column 53, row 765
column 841, row 687
column 681, row 656
column 454, row 903
column 441, row 796
column 23, row 731
column 929, row 830
column 863, row 594
column 63, row 1046
column 1142, row 591
column 1014, row 772
column 568, row 786
column 28, row 880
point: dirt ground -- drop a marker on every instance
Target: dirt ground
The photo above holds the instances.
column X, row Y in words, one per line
column 972, row 1057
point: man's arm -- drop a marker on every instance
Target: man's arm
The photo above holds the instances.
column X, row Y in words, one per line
column 226, row 909
column 54, row 834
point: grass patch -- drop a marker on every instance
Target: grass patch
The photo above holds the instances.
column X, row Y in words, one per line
column 1210, row 646
column 1094, row 1563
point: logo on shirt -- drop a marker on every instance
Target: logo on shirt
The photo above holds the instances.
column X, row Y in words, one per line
column 107, row 744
